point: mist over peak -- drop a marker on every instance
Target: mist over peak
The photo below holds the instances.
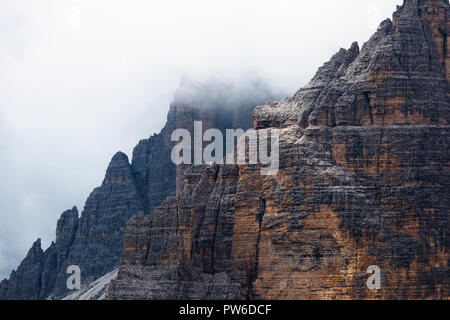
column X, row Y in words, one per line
column 80, row 80
column 216, row 92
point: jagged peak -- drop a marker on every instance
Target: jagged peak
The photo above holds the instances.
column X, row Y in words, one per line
column 385, row 26
column 118, row 168
column 354, row 46
column 335, row 67
column 36, row 249
column 68, row 217
column 328, row 71
column 70, row 213
column 352, row 52
column 412, row 8
column 119, row 157
column 51, row 248
column 423, row 3
column 415, row 7
column 37, row 243
column 119, row 160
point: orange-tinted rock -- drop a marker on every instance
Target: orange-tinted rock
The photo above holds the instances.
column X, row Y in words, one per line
column 363, row 180
column 94, row 241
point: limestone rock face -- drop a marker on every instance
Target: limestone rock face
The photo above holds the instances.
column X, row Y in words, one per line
column 96, row 244
column 216, row 105
column 24, row 283
column 66, row 230
column 182, row 250
column 94, row 241
column 363, row 180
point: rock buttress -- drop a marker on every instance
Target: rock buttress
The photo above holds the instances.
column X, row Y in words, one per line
column 94, row 242
column 363, row 181
column 182, row 251
column 364, row 173
column 25, row 282
column 96, row 246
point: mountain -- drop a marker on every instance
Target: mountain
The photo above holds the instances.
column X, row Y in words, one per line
column 363, row 181
column 94, row 240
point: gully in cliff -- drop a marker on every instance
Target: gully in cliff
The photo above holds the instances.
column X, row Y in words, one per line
column 256, row 153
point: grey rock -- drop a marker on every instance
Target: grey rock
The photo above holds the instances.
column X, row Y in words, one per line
column 363, row 181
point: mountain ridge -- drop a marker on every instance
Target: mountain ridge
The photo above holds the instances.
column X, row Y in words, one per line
column 94, row 240
column 363, row 181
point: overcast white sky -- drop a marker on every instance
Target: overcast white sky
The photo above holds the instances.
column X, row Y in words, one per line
column 82, row 79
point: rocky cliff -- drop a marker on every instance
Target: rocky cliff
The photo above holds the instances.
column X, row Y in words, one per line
column 94, row 241
column 363, row 180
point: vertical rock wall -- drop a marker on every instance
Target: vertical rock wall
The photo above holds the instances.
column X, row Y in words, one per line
column 94, row 241
column 363, row 180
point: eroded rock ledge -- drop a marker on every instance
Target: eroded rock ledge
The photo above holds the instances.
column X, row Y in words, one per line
column 363, row 181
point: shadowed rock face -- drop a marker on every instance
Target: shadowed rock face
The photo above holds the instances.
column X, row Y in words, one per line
column 363, row 181
column 94, row 241
column 97, row 240
column 183, row 249
column 217, row 105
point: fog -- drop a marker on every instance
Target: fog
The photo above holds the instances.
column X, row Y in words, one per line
column 80, row 80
